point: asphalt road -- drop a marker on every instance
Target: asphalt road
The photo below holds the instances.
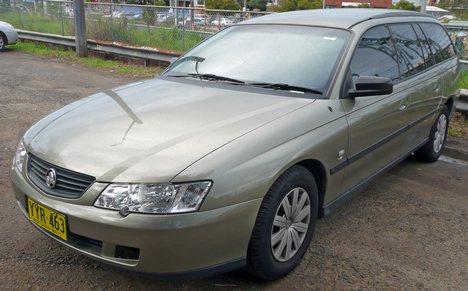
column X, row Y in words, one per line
column 408, row 230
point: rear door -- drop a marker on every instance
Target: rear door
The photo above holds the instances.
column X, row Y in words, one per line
column 428, row 85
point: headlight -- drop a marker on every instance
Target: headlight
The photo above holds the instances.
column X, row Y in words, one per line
column 18, row 159
column 154, row 198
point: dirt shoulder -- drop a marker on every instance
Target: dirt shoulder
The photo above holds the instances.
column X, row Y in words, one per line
column 408, row 230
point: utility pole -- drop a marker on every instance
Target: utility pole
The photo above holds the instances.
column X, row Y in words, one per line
column 423, row 6
column 323, row 4
column 81, row 42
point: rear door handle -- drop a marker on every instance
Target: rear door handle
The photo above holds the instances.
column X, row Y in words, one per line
column 436, row 88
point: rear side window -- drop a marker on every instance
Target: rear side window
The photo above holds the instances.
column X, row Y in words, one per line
column 428, row 59
column 409, row 49
column 439, row 41
column 376, row 55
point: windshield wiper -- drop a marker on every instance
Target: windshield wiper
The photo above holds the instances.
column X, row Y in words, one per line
column 209, row 77
column 286, row 87
column 275, row 86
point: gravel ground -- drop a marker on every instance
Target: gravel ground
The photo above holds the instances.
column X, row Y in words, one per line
column 408, row 230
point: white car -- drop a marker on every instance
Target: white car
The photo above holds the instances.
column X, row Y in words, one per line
column 8, row 35
column 222, row 21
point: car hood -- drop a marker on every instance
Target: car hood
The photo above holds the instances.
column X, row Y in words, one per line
column 150, row 131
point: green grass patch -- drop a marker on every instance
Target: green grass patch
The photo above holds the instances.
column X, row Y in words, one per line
column 463, row 84
column 65, row 55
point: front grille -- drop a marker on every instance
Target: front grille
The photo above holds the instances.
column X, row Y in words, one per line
column 69, row 184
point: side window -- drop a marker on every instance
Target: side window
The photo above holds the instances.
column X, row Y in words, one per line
column 375, row 55
column 409, row 50
column 439, row 41
column 429, row 60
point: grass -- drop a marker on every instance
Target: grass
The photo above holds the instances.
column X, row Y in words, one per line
column 99, row 28
column 458, row 126
column 65, row 55
column 463, row 84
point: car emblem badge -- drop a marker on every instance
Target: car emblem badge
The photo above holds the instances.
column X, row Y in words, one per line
column 51, row 178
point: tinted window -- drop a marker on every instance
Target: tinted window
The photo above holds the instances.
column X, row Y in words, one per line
column 429, row 60
column 439, row 41
column 375, row 55
column 408, row 48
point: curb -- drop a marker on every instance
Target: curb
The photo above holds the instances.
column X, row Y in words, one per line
column 456, row 148
column 455, row 154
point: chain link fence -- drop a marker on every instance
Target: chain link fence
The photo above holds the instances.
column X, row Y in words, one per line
column 163, row 27
column 459, row 33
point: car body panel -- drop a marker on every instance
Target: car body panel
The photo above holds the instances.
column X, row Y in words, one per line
column 246, row 172
column 10, row 33
column 151, row 131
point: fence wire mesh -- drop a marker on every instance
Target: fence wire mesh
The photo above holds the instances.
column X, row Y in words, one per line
column 163, row 27
column 171, row 28
column 459, row 33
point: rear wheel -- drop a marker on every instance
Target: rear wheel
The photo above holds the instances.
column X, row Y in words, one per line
column 432, row 150
column 3, row 42
column 284, row 225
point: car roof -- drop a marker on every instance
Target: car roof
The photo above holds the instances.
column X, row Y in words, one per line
column 340, row 18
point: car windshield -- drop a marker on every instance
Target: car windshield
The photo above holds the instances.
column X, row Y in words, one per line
column 295, row 56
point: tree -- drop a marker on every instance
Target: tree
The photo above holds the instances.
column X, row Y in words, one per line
column 290, row 5
column 256, row 4
column 404, row 5
column 222, row 4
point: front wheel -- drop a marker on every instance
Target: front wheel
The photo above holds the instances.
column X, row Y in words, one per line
column 3, row 42
column 432, row 150
column 284, row 225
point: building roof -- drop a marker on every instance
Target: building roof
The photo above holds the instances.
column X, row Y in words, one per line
column 435, row 9
column 340, row 18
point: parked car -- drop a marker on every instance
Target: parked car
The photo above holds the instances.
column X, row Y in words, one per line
column 222, row 22
column 8, row 35
column 228, row 158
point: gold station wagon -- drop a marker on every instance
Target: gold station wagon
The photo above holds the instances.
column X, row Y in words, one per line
column 228, row 158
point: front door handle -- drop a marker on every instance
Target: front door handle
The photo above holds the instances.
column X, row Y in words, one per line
column 436, row 88
column 403, row 104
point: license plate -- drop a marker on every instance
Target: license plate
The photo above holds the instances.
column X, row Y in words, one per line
column 48, row 219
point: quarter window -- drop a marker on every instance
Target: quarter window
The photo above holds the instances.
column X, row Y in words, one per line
column 375, row 55
column 439, row 41
column 409, row 50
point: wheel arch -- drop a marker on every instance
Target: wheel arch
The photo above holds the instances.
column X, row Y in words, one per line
column 450, row 105
column 4, row 37
column 317, row 170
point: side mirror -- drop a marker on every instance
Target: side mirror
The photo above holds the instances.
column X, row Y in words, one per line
column 370, row 86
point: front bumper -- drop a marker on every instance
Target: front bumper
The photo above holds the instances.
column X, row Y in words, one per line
column 166, row 244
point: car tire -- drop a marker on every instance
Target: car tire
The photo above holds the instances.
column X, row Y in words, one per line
column 265, row 258
column 3, row 42
column 431, row 151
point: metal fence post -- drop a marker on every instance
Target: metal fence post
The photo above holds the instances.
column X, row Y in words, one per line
column 112, row 19
column 183, row 29
column 61, row 17
column 80, row 29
